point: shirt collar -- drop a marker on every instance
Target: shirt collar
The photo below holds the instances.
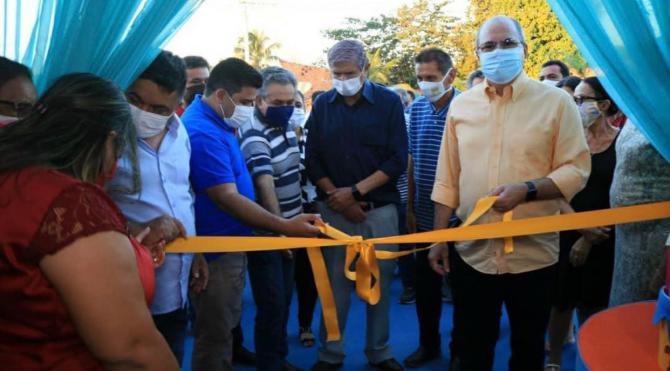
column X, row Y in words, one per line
column 516, row 88
column 208, row 112
column 173, row 123
column 368, row 93
column 445, row 108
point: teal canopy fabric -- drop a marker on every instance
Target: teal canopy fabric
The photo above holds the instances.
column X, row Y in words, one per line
column 627, row 42
column 113, row 39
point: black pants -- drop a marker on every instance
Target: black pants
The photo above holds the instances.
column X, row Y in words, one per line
column 478, row 300
column 428, row 290
column 271, row 277
column 407, row 263
column 238, row 337
column 305, row 288
column 173, row 328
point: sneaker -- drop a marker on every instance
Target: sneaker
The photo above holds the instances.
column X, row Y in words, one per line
column 408, row 296
column 307, row 337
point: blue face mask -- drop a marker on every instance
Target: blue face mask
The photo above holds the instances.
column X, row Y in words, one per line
column 279, row 116
column 502, row 65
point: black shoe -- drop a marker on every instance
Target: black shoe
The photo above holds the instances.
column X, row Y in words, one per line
column 289, row 367
column 325, row 366
column 408, row 296
column 420, row 357
column 388, row 365
column 244, row 356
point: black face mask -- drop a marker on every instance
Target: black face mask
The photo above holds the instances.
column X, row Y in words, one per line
column 192, row 91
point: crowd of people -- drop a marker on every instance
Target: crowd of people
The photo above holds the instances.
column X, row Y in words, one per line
column 95, row 182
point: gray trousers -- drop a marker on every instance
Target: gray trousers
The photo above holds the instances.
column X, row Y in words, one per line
column 217, row 311
column 380, row 222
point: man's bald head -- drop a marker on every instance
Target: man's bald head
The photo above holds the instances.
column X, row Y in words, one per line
column 501, row 23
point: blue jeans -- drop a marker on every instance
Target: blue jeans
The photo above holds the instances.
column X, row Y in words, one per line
column 380, row 222
column 271, row 277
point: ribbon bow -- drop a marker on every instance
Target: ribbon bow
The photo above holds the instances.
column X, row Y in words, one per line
column 360, row 264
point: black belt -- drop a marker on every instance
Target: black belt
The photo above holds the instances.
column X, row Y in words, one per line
column 374, row 205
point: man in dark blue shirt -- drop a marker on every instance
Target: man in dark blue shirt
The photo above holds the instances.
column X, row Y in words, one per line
column 356, row 150
column 224, row 204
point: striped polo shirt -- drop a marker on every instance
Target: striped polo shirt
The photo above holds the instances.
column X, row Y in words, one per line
column 402, row 180
column 426, row 127
column 274, row 151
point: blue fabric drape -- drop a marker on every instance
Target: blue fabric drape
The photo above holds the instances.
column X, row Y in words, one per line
column 10, row 25
column 628, row 45
column 113, row 39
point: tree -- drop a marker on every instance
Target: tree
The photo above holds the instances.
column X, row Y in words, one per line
column 398, row 38
column 545, row 36
column 261, row 50
column 380, row 71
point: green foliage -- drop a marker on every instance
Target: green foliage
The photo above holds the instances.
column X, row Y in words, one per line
column 394, row 40
column 545, row 36
column 261, row 50
column 380, row 71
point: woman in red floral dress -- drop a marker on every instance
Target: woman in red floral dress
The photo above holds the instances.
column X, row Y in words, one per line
column 74, row 286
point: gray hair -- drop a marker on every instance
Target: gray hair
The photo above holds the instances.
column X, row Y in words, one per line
column 276, row 75
column 502, row 19
column 348, row 51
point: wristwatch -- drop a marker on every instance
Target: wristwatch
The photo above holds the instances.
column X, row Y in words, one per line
column 356, row 193
column 531, row 195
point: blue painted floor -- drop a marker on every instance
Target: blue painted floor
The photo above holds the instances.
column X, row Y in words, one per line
column 404, row 336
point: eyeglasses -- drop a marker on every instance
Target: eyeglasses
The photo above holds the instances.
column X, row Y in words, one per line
column 490, row 46
column 581, row 100
column 22, row 109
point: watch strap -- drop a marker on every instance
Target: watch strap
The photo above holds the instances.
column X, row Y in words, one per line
column 531, row 195
column 356, row 193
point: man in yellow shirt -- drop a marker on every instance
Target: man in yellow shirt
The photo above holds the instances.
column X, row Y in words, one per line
column 522, row 141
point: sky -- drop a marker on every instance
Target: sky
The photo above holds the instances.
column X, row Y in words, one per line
column 213, row 30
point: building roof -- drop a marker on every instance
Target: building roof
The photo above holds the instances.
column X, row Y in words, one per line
column 310, row 78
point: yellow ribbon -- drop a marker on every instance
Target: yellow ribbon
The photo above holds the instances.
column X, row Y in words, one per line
column 366, row 273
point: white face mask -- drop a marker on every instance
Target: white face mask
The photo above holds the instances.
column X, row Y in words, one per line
column 434, row 90
column 349, row 87
column 297, row 119
column 241, row 114
column 550, row 82
column 148, row 124
column 590, row 113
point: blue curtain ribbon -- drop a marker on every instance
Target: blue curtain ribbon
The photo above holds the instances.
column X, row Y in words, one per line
column 628, row 45
column 113, row 39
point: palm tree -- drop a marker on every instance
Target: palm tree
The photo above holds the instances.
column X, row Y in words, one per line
column 261, row 50
column 379, row 71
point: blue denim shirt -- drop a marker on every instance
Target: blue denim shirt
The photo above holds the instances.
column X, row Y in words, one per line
column 166, row 190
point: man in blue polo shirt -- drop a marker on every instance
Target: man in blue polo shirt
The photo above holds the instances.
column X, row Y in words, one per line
column 224, row 204
column 356, row 150
column 435, row 73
